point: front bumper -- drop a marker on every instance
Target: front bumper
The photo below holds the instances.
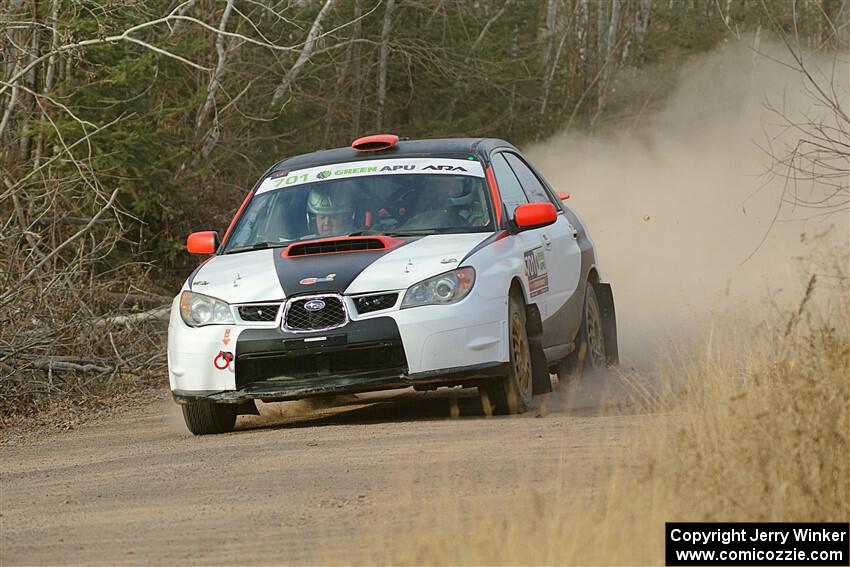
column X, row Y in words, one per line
column 389, row 349
column 294, row 389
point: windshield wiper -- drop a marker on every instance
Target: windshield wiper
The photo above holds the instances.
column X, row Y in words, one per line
column 419, row 232
column 257, row 246
column 369, row 232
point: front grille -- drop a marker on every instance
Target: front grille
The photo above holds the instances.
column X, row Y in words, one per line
column 333, row 246
column 329, row 315
column 265, row 313
column 385, row 357
column 370, row 303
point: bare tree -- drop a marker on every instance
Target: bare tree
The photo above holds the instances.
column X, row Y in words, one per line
column 304, row 56
column 609, row 41
column 382, row 63
column 210, row 139
column 551, row 13
column 810, row 149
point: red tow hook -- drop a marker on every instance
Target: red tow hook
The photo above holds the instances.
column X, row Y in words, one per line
column 223, row 360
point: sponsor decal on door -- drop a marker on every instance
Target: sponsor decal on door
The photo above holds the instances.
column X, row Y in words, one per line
column 535, row 271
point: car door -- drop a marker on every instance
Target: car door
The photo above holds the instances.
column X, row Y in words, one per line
column 558, row 240
column 530, row 242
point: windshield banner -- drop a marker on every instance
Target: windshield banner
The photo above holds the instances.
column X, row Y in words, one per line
column 282, row 179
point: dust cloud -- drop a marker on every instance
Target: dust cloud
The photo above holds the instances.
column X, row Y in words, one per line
column 679, row 206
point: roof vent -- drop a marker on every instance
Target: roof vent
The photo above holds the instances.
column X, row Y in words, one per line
column 374, row 143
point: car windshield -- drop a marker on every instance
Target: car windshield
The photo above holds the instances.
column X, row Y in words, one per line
column 333, row 201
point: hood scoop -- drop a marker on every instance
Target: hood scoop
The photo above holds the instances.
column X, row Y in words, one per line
column 341, row 245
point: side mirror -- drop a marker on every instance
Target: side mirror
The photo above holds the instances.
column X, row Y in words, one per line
column 563, row 195
column 205, row 242
column 535, row 215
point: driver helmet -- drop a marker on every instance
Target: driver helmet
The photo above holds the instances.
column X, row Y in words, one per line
column 330, row 201
column 330, row 209
column 458, row 191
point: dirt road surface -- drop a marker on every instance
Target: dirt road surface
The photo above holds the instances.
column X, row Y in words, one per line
column 299, row 485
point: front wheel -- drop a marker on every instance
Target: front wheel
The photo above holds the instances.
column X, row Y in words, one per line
column 590, row 349
column 204, row 418
column 512, row 393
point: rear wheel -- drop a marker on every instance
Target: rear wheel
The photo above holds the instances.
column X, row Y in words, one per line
column 512, row 393
column 590, row 342
column 204, row 418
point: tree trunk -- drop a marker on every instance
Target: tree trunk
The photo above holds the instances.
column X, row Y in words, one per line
column 645, row 8
column 613, row 27
column 182, row 12
column 551, row 13
column 549, row 74
column 49, row 78
column 30, row 81
column 514, row 54
column 304, row 56
column 607, row 54
column 601, row 31
column 356, row 63
column 382, row 63
column 547, row 81
column 218, row 73
column 582, row 34
column 8, row 114
column 342, row 75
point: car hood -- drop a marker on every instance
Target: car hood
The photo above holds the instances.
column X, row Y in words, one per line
column 238, row 278
column 416, row 261
column 265, row 275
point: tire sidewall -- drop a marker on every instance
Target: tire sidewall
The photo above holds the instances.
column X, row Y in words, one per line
column 590, row 361
column 581, row 358
column 523, row 395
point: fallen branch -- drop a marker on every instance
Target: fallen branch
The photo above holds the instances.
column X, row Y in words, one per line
column 129, row 297
column 68, row 220
column 160, row 313
column 52, row 364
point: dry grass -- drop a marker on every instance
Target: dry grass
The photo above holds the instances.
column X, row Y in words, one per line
column 751, row 425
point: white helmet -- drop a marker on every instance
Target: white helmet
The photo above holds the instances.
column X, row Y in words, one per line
column 458, row 191
column 328, row 201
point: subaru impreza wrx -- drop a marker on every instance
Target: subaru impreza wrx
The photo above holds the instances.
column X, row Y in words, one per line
column 389, row 264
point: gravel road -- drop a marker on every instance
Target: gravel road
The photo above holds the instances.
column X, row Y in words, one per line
column 302, row 484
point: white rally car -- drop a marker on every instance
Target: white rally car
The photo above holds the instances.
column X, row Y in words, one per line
column 389, row 264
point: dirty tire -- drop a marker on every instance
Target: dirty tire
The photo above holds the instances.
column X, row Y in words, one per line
column 512, row 393
column 590, row 341
column 204, row 418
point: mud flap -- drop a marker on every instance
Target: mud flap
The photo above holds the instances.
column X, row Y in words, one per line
column 540, row 381
column 248, row 407
column 609, row 321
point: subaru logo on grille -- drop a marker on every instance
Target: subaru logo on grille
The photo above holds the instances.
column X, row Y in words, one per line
column 314, row 305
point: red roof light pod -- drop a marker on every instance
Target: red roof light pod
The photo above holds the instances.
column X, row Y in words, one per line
column 374, row 143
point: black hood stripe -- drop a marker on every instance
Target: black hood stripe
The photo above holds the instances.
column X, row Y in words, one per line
column 332, row 273
column 495, row 237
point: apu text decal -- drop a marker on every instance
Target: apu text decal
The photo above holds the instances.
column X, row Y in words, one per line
column 281, row 180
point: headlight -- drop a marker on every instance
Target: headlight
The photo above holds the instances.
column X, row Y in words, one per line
column 446, row 288
column 198, row 310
